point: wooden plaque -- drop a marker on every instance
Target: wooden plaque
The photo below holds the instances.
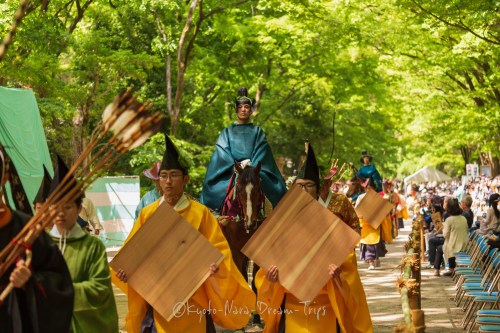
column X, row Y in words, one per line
column 166, row 261
column 373, row 208
column 302, row 238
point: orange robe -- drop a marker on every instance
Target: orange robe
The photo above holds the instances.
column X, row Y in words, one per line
column 345, row 303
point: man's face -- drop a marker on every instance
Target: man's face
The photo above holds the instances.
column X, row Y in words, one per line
column 66, row 215
column 172, row 182
column 463, row 205
column 307, row 185
column 243, row 113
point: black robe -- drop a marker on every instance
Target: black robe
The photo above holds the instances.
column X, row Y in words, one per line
column 45, row 304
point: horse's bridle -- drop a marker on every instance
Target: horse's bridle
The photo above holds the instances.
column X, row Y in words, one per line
column 260, row 211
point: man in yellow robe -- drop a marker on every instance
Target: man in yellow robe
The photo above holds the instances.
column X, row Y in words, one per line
column 225, row 295
column 341, row 304
column 373, row 240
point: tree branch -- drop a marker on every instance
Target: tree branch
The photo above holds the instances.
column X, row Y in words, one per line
column 190, row 46
column 221, row 9
column 21, row 12
column 168, row 74
column 460, row 26
column 457, row 81
column 292, row 92
column 79, row 15
column 181, row 66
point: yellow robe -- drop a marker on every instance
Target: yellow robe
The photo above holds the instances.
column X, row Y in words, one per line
column 403, row 213
column 370, row 236
column 348, row 305
column 226, row 295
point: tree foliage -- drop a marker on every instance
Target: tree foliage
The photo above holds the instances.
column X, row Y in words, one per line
column 414, row 82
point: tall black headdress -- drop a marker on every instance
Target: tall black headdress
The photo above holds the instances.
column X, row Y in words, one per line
column 44, row 190
column 172, row 159
column 59, row 174
column 364, row 154
column 310, row 168
column 19, row 196
column 243, row 98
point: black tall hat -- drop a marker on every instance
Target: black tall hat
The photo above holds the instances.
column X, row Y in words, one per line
column 310, row 168
column 243, row 98
column 59, row 174
column 172, row 159
column 44, row 190
column 364, row 154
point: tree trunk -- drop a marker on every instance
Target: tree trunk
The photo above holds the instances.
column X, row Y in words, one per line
column 168, row 70
column 495, row 167
column 182, row 55
column 80, row 136
column 466, row 154
column 258, row 97
column 169, row 84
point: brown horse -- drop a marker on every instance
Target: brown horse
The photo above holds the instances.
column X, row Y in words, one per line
column 242, row 212
column 356, row 186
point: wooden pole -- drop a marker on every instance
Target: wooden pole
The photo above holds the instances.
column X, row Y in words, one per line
column 417, row 275
column 422, row 239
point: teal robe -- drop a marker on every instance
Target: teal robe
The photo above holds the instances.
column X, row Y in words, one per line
column 146, row 200
column 370, row 171
column 94, row 307
column 237, row 143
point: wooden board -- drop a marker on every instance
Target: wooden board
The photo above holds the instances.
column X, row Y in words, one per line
column 302, row 238
column 373, row 208
column 167, row 260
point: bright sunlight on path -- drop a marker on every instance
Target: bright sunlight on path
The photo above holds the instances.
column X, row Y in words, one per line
column 441, row 314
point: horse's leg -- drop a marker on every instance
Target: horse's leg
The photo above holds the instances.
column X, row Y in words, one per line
column 244, row 266
column 256, row 317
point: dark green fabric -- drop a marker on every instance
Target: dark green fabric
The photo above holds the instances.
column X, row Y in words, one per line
column 21, row 132
column 237, row 143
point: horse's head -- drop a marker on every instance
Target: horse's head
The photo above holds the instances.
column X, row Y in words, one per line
column 355, row 187
column 249, row 192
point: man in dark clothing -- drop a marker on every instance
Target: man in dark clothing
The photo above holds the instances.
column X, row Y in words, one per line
column 466, row 204
column 42, row 298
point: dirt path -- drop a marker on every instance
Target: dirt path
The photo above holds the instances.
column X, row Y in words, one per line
column 384, row 302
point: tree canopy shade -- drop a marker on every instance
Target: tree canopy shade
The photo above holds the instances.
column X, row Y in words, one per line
column 417, row 80
column 427, row 174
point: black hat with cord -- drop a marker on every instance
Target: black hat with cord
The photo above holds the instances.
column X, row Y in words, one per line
column 243, row 98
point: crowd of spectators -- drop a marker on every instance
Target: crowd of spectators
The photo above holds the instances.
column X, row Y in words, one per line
column 478, row 200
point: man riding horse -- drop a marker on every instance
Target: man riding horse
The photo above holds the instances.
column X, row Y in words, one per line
column 239, row 142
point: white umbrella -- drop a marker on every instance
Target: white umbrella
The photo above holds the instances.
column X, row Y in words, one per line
column 427, row 174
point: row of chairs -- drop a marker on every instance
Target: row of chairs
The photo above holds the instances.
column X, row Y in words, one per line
column 477, row 278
